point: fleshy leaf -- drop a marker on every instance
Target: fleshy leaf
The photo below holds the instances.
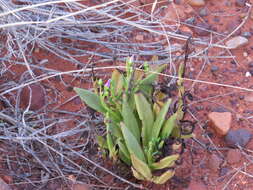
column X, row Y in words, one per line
column 111, row 146
column 146, row 115
column 150, row 78
column 123, row 149
column 164, row 177
column 114, row 129
column 165, row 162
column 130, row 120
column 137, row 175
column 91, row 99
column 117, row 82
column 181, row 74
column 188, row 136
column 141, row 167
column 158, row 104
column 102, row 142
column 124, row 158
column 132, row 144
column 169, row 126
column 160, row 119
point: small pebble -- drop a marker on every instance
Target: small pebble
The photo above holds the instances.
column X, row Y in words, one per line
column 214, row 162
column 234, row 156
column 240, row 3
column 241, row 97
column 196, row 2
column 178, row 2
column 4, row 186
column 203, row 12
column 236, row 42
column 220, row 109
column 199, row 108
column 38, row 96
column 250, row 64
column 190, row 20
column 220, row 121
column 245, row 54
column 214, row 68
column 249, row 98
column 237, row 137
column 196, row 185
column 223, row 171
column 247, row 74
column 246, row 34
column 139, row 37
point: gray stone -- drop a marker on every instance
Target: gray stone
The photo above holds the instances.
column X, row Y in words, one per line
column 236, row 42
column 240, row 3
column 190, row 20
column 224, row 171
column 203, row 12
column 220, row 109
column 246, row 34
column 237, row 137
column 178, row 2
column 214, row 68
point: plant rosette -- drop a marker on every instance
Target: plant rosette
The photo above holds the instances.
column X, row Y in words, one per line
column 138, row 119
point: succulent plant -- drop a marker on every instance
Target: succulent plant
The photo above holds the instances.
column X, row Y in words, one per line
column 137, row 119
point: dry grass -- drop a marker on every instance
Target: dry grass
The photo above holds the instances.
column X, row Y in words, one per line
column 43, row 156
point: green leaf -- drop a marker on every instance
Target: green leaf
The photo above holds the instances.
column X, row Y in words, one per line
column 160, row 119
column 147, row 90
column 187, row 136
column 117, row 82
column 114, row 115
column 132, row 144
column 150, row 79
column 91, row 99
column 111, row 146
column 176, row 132
column 165, row 162
column 141, row 167
column 114, row 129
column 164, row 177
column 129, row 119
column 137, row 175
column 146, row 115
column 169, row 126
column 124, row 158
column 101, row 142
column 123, row 149
column 181, row 74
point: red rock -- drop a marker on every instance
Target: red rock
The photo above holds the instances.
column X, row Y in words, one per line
column 80, row 187
column 249, row 98
column 221, row 121
column 234, row 156
column 196, row 3
column 171, row 16
column 196, row 185
column 4, row 186
column 186, row 29
column 139, row 37
column 38, row 99
column 214, row 162
column 8, row 179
